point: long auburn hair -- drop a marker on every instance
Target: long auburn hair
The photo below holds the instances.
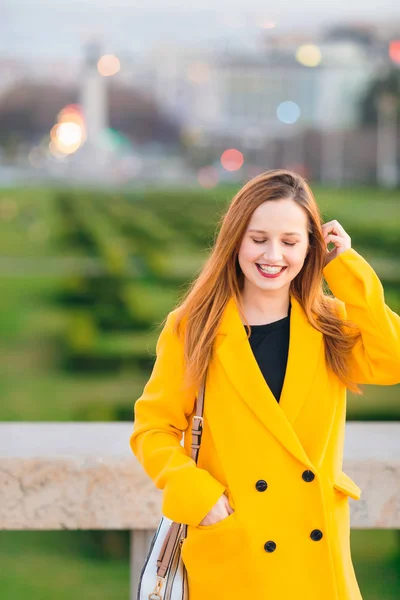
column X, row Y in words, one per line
column 221, row 277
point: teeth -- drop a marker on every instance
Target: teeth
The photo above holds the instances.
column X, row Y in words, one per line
column 271, row 270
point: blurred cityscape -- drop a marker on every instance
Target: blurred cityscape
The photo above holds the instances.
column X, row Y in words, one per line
column 325, row 102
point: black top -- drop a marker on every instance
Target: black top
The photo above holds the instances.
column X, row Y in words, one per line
column 270, row 345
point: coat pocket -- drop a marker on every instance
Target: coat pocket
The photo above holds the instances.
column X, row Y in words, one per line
column 343, row 483
column 212, row 552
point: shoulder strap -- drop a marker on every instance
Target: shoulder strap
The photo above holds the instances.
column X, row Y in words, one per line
column 177, row 531
column 197, row 428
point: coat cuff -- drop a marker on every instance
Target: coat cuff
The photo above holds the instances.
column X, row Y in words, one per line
column 342, row 272
column 189, row 496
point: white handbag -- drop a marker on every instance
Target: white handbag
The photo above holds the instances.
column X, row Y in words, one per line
column 164, row 575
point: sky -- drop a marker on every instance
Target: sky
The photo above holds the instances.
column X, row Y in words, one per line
column 57, row 29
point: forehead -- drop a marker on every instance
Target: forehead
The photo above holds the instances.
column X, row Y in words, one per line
column 285, row 215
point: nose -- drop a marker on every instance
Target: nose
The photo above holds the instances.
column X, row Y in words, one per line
column 273, row 254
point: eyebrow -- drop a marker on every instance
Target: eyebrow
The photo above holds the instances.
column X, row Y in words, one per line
column 287, row 233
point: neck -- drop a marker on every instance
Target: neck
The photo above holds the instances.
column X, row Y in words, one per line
column 259, row 308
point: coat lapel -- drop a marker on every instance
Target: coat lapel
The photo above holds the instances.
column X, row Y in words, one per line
column 234, row 352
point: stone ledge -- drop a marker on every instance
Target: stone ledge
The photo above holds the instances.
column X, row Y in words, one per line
column 84, row 476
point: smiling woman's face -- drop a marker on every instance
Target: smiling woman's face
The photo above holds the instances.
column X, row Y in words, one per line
column 281, row 241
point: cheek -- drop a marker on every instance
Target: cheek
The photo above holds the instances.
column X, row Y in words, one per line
column 297, row 259
column 247, row 252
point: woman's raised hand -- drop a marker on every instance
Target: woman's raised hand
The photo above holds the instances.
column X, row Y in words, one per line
column 334, row 232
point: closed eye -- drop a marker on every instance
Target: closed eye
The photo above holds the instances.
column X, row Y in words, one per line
column 262, row 241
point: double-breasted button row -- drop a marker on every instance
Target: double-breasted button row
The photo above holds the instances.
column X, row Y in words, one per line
column 262, row 485
column 316, row 534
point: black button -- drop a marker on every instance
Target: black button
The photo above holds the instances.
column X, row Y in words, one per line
column 269, row 546
column 316, row 535
column 261, row 485
column 308, row 476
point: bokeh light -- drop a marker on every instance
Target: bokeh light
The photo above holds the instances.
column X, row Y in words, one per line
column 66, row 138
column 68, row 135
column 309, row 55
column 108, row 65
column 232, row 159
column 394, row 51
column 112, row 140
column 71, row 114
column 288, row 112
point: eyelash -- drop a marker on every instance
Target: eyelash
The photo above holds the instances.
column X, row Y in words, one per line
column 262, row 241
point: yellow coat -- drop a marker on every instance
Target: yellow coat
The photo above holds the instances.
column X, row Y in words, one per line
column 266, row 549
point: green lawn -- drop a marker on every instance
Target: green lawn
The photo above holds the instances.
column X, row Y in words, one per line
column 31, row 325
column 376, row 558
column 38, row 565
column 45, row 565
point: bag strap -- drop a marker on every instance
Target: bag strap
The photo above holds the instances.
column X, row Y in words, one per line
column 178, row 531
column 197, row 426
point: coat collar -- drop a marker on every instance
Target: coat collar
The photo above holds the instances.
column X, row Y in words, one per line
column 234, row 352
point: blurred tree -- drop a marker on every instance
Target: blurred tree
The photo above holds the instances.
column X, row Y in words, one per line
column 388, row 84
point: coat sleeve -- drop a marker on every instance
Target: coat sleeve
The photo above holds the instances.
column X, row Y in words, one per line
column 360, row 298
column 161, row 415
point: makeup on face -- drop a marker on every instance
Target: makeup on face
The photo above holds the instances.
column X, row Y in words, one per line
column 275, row 244
column 270, row 273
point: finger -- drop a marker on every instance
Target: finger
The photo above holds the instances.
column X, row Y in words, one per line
column 335, row 239
column 227, row 505
column 333, row 229
column 333, row 225
column 328, row 224
column 226, row 501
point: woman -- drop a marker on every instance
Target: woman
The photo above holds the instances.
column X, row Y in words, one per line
column 267, row 505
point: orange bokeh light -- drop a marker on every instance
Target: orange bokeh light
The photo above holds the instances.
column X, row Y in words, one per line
column 69, row 133
column 72, row 114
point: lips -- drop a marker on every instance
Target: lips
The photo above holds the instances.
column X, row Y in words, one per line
column 270, row 275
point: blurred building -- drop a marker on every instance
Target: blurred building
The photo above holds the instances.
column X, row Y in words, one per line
column 227, row 95
column 290, row 102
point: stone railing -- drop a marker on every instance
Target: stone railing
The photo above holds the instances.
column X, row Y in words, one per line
column 84, row 476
